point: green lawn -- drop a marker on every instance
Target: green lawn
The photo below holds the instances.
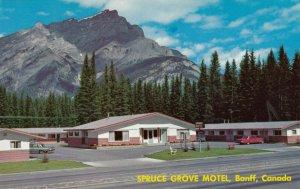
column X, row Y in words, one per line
column 165, row 155
column 37, row 165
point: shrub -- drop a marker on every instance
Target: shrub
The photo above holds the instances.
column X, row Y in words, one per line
column 207, row 147
column 45, row 158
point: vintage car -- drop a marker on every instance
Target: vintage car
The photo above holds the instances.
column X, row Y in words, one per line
column 250, row 140
column 38, row 148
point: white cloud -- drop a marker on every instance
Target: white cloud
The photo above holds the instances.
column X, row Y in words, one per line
column 237, row 22
column 186, row 51
column 284, row 17
column 88, row 3
column 69, row 13
column 225, row 40
column 245, row 32
column 160, row 36
column 199, row 47
column 263, row 53
column 192, row 18
column 42, row 13
column 211, row 22
column 255, row 40
column 265, row 11
column 274, row 25
column 1, row 35
column 160, row 11
column 236, row 53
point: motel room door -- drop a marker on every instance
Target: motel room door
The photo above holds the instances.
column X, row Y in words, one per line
column 229, row 135
column 150, row 136
column 163, row 136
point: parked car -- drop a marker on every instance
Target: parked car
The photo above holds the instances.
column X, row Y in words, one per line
column 37, row 148
column 250, row 140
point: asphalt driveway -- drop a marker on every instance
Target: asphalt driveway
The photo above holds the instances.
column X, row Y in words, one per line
column 63, row 152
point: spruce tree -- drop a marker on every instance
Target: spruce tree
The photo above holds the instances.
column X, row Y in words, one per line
column 94, row 108
column 203, row 111
column 295, row 87
column 215, row 89
column 83, row 98
column 187, row 101
column 284, row 77
column 272, row 87
column 227, row 92
column 166, row 96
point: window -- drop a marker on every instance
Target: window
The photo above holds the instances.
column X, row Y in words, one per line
column 240, row 132
column 70, row 133
column 118, row 136
column 277, row 132
column 211, row 132
column 294, row 132
column 254, row 132
column 155, row 133
column 42, row 135
column 76, row 133
column 182, row 133
column 222, row 133
column 15, row 144
column 145, row 134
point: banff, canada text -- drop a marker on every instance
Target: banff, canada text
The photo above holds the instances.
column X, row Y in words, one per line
column 188, row 178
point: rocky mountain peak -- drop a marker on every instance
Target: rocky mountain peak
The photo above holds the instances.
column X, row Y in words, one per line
column 49, row 57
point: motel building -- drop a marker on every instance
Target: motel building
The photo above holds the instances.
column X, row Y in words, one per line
column 50, row 135
column 14, row 145
column 150, row 128
column 276, row 131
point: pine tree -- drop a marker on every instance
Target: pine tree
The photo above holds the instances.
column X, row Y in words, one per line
column 175, row 98
column 203, row 111
column 3, row 102
column 166, row 96
column 245, row 89
column 94, row 111
column 106, row 94
column 295, row 87
column 187, row 101
column 112, row 87
column 227, row 92
column 215, row 89
column 82, row 98
column 272, row 86
column 122, row 97
column 284, row 76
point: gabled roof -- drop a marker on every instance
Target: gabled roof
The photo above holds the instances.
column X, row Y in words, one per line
column 43, row 130
column 252, row 125
column 119, row 120
column 21, row 133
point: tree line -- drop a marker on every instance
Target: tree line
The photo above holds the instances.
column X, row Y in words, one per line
column 25, row 111
column 259, row 90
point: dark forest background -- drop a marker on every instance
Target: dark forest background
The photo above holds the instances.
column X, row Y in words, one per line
column 267, row 90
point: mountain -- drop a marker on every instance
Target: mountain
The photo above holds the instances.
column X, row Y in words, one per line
column 49, row 57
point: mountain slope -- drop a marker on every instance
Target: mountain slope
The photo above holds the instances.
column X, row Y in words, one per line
column 49, row 58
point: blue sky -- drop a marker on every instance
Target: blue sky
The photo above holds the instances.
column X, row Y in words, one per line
column 194, row 27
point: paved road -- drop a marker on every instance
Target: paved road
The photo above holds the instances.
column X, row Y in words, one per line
column 126, row 177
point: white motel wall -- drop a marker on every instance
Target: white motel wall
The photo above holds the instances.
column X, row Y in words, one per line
column 14, row 146
column 151, row 128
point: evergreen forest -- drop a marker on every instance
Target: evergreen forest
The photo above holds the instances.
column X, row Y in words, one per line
column 246, row 91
